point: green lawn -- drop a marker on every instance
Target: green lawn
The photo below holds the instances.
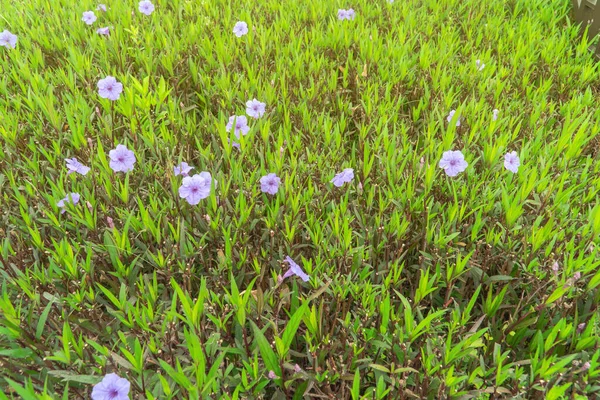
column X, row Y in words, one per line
column 481, row 285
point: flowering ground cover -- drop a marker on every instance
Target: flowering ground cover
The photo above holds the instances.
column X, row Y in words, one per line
column 298, row 199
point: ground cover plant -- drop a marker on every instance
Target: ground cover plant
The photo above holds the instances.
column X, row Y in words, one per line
column 298, row 199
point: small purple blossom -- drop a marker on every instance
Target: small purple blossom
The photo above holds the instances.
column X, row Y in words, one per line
column 581, row 327
column 297, row 369
column 346, row 14
column 586, row 365
column 195, row 188
column 345, row 176
column 577, row 276
column 495, row 114
column 182, row 169
column 110, row 222
column 512, row 162
column 8, row 40
column 110, row 88
column 75, row 166
column 112, row 387
column 121, row 159
column 233, row 143
column 89, row 17
column 255, row 108
column 555, row 267
column 295, row 269
column 272, row 375
column 241, row 125
column 72, row 198
column 240, row 28
column 103, row 31
column 146, row 7
column 101, row 7
column 453, row 162
column 480, row 65
column 451, row 115
column 270, row 184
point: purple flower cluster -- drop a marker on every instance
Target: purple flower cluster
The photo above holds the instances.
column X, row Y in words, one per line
column 348, row 14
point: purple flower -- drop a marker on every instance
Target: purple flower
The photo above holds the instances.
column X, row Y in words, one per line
column 450, row 115
column 297, row 369
column 343, row 177
column 295, row 269
column 110, row 88
column 112, row 387
column 103, row 31
column 240, row 28
column 195, row 188
column 146, row 7
column 555, row 267
column 121, row 159
column 88, row 17
column 234, row 144
column 72, row 198
column 75, row 166
column 577, row 276
column 342, row 14
column 495, row 114
column 255, row 108
column 270, row 184
column 512, row 162
column 101, row 7
column 272, row 375
column 182, row 169
column 8, row 40
column 241, row 125
column 586, row 366
column 453, row 162
column 350, row 14
column 581, row 327
column 479, row 65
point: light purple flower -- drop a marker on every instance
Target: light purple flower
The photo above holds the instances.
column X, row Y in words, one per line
column 270, row 184
column 101, row 7
column 72, row 198
column 577, row 276
column 121, row 159
column 255, row 108
column 586, row 365
column 479, row 65
column 453, row 162
column 146, row 7
column 581, row 327
column 272, row 375
column 495, row 114
column 451, row 115
column 512, row 162
column 195, row 188
column 112, row 387
column 103, row 31
column 342, row 14
column 75, row 166
column 350, row 14
column 182, row 169
column 8, row 40
column 555, row 267
column 295, row 269
column 241, row 125
column 240, row 28
column 297, row 369
column 110, row 88
column 343, row 177
column 88, row 17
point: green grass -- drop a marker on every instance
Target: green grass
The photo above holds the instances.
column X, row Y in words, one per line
column 422, row 286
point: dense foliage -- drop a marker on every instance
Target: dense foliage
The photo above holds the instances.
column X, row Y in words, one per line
column 420, row 285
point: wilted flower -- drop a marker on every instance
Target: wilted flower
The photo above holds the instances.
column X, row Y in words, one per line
column 195, row 188
column 88, row 17
column 297, row 368
column 577, row 276
column 255, row 108
column 121, row 159
column 146, row 7
column 272, row 375
column 586, row 365
column 110, row 222
column 495, row 114
column 101, row 7
column 453, row 162
column 270, row 184
column 512, row 162
column 112, row 387
column 451, row 115
column 75, row 166
column 72, row 198
column 240, row 28
column 241, row 125
column 103, row 31
column 343, row 177
column 110, row 88
column 8, row 40
column 480, row 65
column 182, row 169
column 295, row 269
column 581, row 327
column 555, row 267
